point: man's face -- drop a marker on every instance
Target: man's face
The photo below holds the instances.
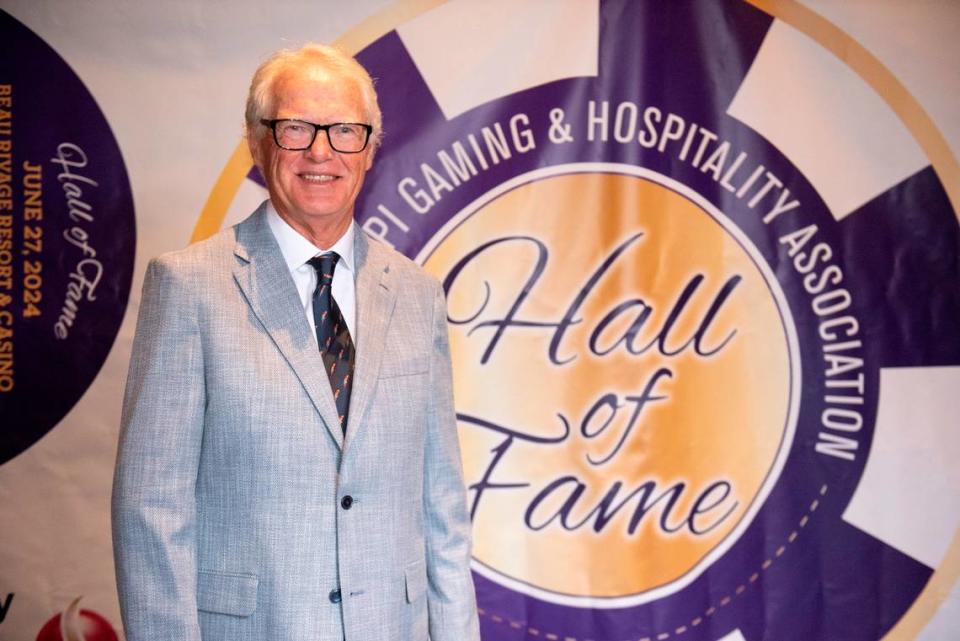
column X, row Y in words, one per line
column 314, row 189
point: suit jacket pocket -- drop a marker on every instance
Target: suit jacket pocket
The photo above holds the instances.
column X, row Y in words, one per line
column 227, row 593
column 415, row 576
column 404, row 365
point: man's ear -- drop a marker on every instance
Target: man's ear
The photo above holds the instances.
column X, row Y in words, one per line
column 254, row 145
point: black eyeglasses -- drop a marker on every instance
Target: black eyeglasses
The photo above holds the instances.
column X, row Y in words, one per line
column 297, row 135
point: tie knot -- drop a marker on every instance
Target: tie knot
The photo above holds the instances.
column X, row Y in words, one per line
column 324, row 264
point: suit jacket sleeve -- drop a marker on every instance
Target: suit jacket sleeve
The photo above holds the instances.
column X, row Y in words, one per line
column 153, row 506
column 451, row 601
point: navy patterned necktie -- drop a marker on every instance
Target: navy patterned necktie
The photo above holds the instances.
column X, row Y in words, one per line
column 333, row 335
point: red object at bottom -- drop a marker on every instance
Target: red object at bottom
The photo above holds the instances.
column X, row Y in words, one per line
column 75, row 624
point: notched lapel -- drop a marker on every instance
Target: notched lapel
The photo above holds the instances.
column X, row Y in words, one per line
column 262, row 276
column 376, row 297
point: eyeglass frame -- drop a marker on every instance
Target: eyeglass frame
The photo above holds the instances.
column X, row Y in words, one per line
column 272, row 125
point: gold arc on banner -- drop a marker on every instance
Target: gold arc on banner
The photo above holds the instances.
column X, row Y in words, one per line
column 807, row 21
column 881, row 80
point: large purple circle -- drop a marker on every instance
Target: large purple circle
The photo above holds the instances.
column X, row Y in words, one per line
column 67, row 238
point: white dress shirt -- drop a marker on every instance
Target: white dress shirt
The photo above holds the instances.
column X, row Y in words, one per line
column 297, row 250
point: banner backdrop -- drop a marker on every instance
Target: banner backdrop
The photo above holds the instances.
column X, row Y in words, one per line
column 702, row 263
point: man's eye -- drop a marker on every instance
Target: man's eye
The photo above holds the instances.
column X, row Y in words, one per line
column 345, row 130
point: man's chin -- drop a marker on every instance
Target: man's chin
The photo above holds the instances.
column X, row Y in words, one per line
column 323, row 214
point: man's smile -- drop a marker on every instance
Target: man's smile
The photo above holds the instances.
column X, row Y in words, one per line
column 318, row 178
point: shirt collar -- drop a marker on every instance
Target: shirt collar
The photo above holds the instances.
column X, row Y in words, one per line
column 297, row 250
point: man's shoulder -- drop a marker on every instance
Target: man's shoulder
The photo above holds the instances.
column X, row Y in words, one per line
column 210, row 255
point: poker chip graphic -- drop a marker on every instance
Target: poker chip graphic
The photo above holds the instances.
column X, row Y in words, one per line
column 704, row 314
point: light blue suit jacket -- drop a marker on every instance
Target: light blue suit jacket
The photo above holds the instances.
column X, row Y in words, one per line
column 229, row 519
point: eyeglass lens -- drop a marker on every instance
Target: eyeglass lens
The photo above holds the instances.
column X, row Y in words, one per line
column 298, row 135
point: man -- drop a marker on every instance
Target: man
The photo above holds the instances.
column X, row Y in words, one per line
column 288, row 465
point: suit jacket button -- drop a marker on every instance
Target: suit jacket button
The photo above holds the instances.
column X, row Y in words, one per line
column 335, row 596
column 346, row 502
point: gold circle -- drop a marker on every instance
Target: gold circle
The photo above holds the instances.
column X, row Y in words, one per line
column 681, row 416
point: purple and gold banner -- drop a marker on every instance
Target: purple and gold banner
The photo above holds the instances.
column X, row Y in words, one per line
column 702, row 264
column 684, row 319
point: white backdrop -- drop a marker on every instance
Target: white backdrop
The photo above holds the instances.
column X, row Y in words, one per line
column 171, row 79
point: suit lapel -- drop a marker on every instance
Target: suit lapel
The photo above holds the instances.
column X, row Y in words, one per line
column 376, row 296
column 262, row 276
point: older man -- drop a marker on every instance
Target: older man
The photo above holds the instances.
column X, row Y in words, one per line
column 288, row 464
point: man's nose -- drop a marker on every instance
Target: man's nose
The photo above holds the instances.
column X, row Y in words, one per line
column 320, row 149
